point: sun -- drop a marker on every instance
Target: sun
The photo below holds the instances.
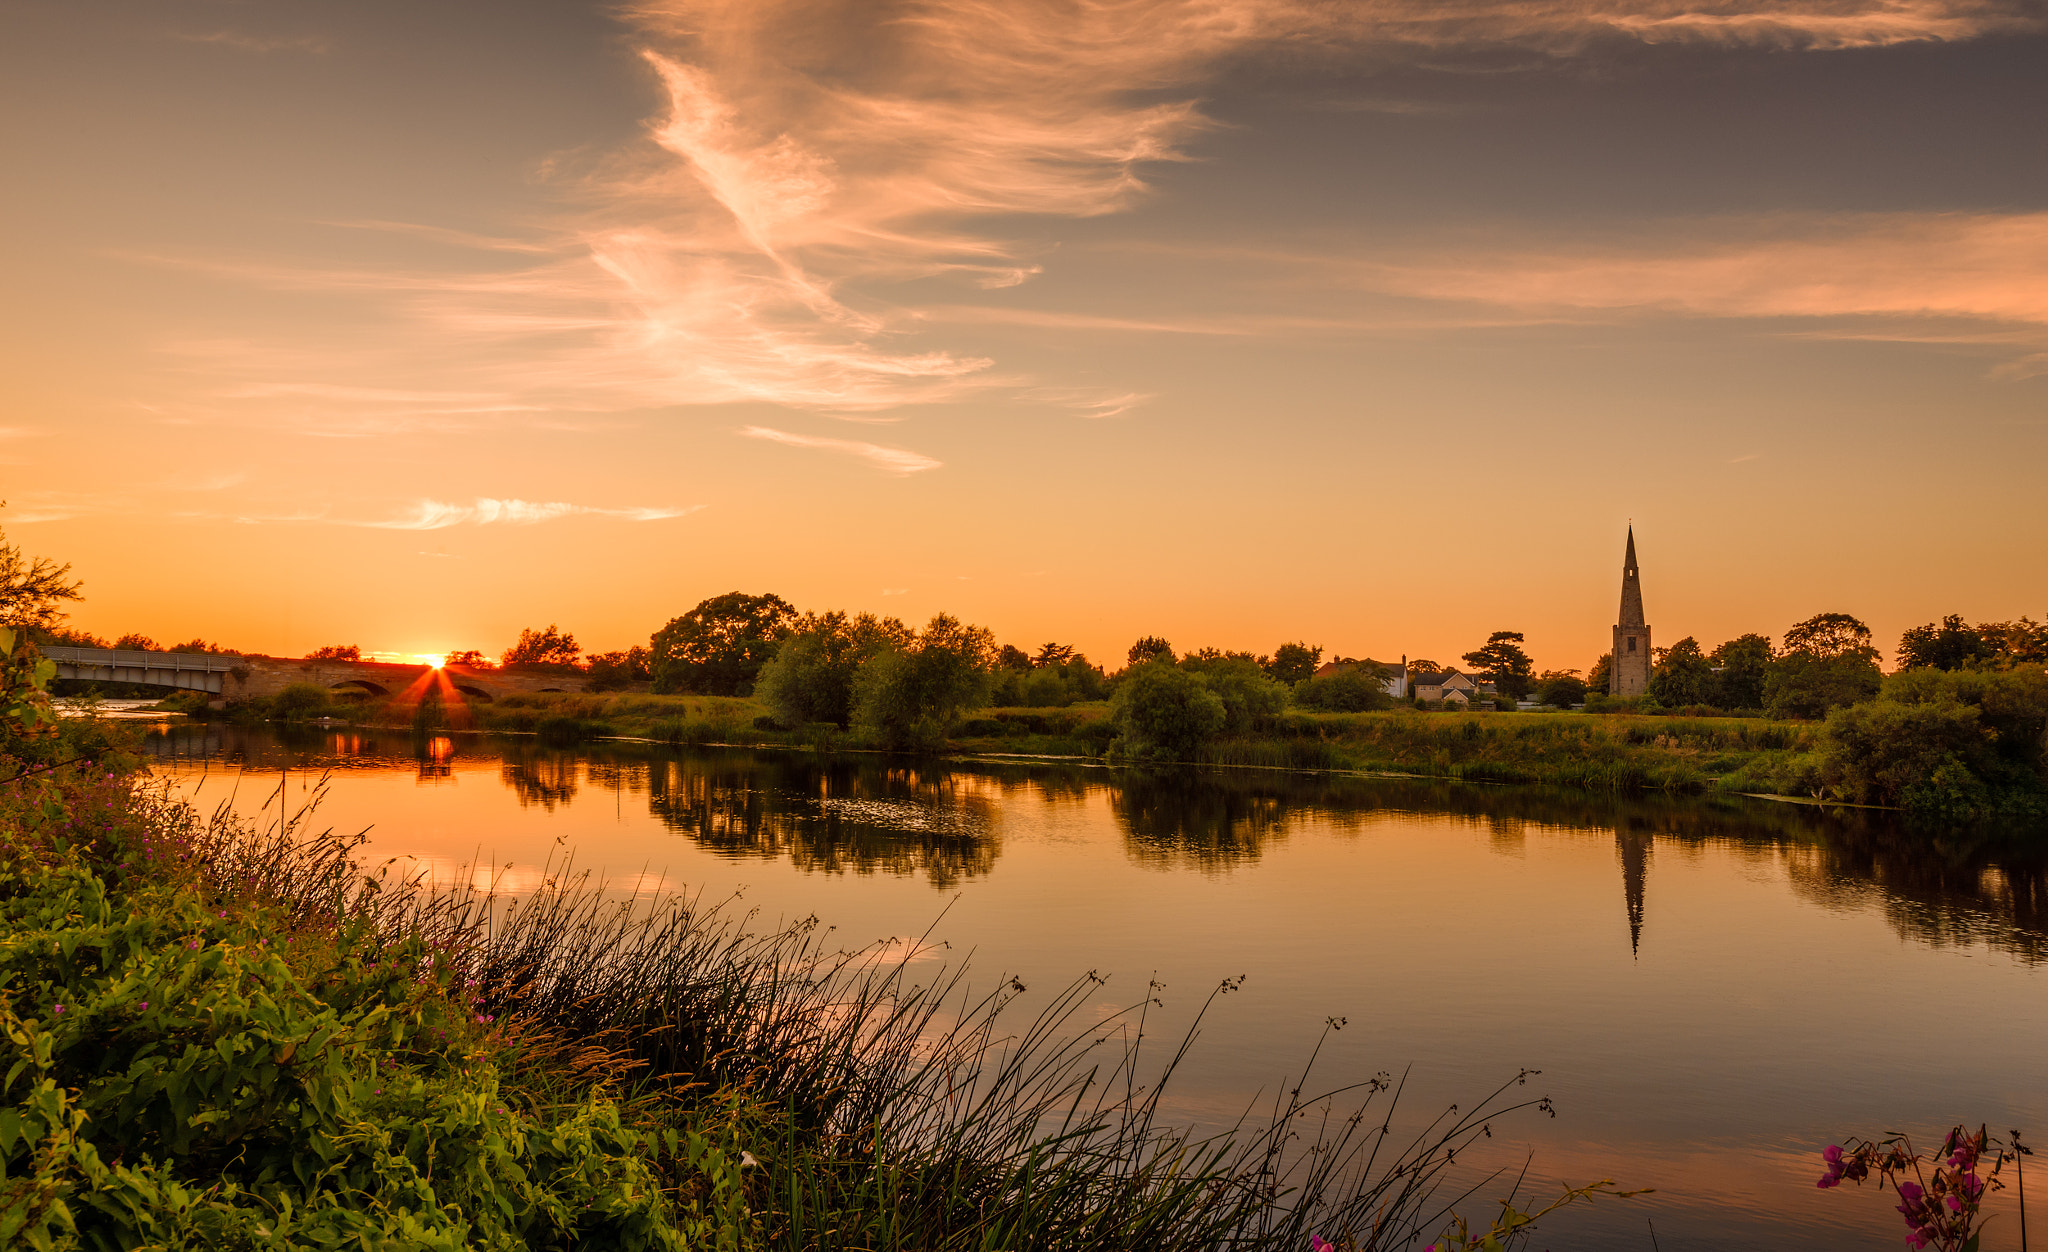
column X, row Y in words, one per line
column 434, row 660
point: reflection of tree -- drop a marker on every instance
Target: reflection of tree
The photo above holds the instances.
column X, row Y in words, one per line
column 539, row 776
column 1204, row 819
column 830, row 816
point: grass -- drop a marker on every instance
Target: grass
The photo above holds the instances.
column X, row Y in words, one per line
column 226, row 1036
column 1606, row 752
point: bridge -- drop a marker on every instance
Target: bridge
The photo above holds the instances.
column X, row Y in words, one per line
column 233, row 678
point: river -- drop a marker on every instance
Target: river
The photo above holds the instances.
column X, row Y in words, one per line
column 1713, row 990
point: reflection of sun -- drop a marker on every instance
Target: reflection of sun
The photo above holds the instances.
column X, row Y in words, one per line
column 434, row 660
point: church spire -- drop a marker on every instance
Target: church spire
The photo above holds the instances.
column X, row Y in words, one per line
column 1631, row 586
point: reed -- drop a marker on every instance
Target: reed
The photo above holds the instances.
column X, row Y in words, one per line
column 886, row 1110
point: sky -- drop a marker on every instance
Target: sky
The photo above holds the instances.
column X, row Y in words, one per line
column 1371, row 324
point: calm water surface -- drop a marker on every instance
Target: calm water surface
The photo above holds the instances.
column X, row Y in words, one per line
column 1712, row 991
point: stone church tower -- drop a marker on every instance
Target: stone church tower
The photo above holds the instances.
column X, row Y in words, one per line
column 1630, row 673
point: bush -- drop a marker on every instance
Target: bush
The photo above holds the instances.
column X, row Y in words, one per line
column 1346, row 691
column 301, row 702
column 1928, row 757
column 1800, row 684
column 1163, row 712
column 1563, row 690
column 909, row 696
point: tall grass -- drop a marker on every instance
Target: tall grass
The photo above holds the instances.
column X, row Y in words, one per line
column 890, row 1111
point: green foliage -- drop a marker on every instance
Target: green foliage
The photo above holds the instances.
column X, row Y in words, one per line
column 1742, row 664
column 186, row 1075
column 810, row 677
column 136, row 641
column 1683, row 675
column 1831, row 635
column 31, row 588
column 719, row 647
column 552, row 648
column 1149, row 648
column 340, row 652
column 1561, row 688
column 1294, row 662
column 616, row 671
column 1802, row 684
column 1354, row 689
column 1601, row 676
column 1250, row 698
column 301, row 702
column 1164, row 712
column 1920, row 756
column 1504, row 663
column 909, row 695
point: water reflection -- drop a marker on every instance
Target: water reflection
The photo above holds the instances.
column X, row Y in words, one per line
column 943, row 822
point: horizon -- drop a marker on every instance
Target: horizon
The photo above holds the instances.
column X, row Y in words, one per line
column 1237, row 322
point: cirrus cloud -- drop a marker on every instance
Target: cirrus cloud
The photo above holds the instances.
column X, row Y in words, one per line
column 486, row 511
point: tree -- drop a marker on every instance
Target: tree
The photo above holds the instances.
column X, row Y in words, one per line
column 1683, row 675
column 1421, row 665
column 198, row 644
column 469, row 658
column 1801, row 684
column 1249, row 696
column 552, row 648
column 1164, row 712
column 2024, row 642
column 1295, row 662
column 1740, row 665
column 1150, row 648
column 1601, row 676
column 32, row 588
column 136, row 641
column 1561, row 688
column 1055, row 655
column 1502, row 660
column 908, row 696
column 1013, row 658
column 719, row 647
column 1929, row 756
column 1831, row 634
column 615, row 671
column 1949, row 644
column 810, row 677
column 340, row 652
column 1353, row 689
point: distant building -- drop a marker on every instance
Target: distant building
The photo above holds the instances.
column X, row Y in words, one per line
column 1450, row 686
column 1392, row 680
column 1629, row 675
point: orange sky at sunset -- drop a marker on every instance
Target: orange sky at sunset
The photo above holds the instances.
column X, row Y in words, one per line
column 1234, row 321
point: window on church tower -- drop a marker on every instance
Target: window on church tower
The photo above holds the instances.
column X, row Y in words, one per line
column 1631, row 643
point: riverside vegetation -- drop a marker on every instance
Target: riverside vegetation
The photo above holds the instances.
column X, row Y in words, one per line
column 220, row 1036
column 1959, row 731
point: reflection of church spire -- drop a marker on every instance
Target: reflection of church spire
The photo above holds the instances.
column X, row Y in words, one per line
column 1635, row 865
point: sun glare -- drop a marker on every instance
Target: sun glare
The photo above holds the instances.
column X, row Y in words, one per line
column 434, row 660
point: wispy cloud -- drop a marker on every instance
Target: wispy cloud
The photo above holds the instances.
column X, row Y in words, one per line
column 899, row 461
column 439, row 515
column 758, row 244
column 1912, row 277
column 245, row 41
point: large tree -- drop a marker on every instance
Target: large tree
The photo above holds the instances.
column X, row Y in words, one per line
column 31, row 588
column 1830, row 634
column 719, row 647
column 1295, row 662
column 1150, row 648
column 1948, row 644
column 908, row 696
column 1740, row 666
column 552, row 648
column 1683, row 675
column 1502, row 660
column 810, row 677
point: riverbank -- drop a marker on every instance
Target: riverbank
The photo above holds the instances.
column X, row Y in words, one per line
column 1607, row 752
column 225, row 1036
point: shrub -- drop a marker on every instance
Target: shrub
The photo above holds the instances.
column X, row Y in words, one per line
column 1351, row 690
column 300, row 702
column 908, row 696
column 1165, row 712
column 1921, row 756
column 1801, row 684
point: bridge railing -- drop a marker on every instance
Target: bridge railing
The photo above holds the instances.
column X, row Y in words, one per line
column 124, row 658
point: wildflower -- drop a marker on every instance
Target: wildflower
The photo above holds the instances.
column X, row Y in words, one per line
column 60, row 1008
column 1316, row 1243
column 144, row 1004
